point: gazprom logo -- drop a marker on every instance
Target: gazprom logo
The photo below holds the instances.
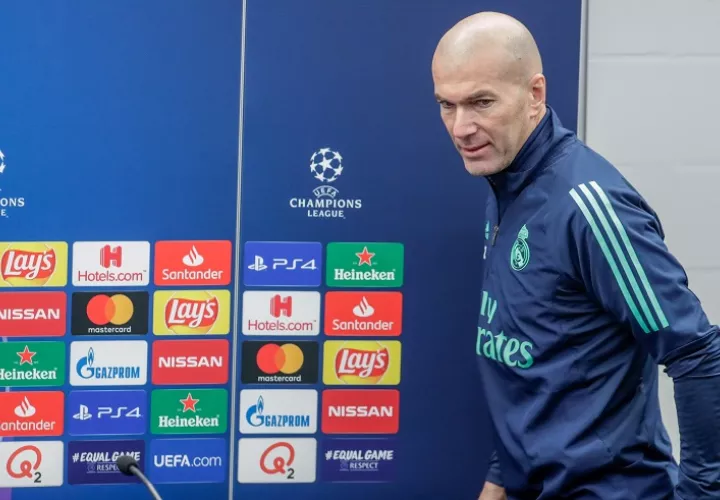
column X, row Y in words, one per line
column 255, row 412
column 86, row 369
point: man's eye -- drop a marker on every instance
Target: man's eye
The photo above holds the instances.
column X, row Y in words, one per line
column 484, row 103
column 446, row 104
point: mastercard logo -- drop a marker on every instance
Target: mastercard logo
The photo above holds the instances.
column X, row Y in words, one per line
column 115, row 309
column 274, row 358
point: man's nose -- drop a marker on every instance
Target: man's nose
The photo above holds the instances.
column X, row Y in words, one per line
column 465, row 124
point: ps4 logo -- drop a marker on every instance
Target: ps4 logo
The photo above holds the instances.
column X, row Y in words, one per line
column 282, row 263
column 108, row 412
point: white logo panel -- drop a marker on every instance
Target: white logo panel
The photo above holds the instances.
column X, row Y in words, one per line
column 281, row 313
column 278, row 411
column 111, row 263
column 277, row 460
column 102, row 363
column 31, row 464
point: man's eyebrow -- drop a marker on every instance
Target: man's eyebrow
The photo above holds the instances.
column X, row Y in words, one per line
column 472, row 97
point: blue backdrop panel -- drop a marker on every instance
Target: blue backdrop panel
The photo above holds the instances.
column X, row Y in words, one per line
column 119, row 121
column 354, row 77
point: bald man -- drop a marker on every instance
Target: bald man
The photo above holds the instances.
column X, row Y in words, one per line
column 581, row 298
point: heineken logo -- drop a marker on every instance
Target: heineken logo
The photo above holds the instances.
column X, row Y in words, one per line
column 368, row 264
column 32, row 364
column 183, row 411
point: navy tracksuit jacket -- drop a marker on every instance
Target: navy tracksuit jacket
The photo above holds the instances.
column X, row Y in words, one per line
column 581, row 301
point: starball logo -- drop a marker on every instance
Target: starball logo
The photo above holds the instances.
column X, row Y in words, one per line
column 7, row 203
column 326, row 167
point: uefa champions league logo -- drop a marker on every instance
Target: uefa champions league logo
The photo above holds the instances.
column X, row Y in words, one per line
column 7, row 203
column 326, row 167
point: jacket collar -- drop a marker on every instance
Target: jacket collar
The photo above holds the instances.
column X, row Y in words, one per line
column 532, row 158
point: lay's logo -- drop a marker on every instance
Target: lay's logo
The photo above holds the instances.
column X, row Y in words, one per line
column 33, row 264
column 361, row 363
column 191, row 312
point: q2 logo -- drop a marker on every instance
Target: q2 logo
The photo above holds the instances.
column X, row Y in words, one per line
column 278, row 458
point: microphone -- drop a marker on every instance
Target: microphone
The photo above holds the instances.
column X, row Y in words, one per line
column 129, row 466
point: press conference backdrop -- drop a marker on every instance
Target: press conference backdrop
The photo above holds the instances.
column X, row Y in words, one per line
column 310, row 334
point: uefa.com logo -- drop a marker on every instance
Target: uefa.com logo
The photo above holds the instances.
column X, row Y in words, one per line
column 8, row 204
column 326, row 167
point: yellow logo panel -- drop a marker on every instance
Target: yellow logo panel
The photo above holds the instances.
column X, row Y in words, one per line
column 33, row 264
column 361, row 362
column 191, row 312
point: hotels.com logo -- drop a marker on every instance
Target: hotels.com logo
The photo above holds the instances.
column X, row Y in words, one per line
column 120, row 263
column 291, row 313
column 33, row 264
column 281, row 306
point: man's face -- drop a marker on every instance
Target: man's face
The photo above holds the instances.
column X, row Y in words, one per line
column 486, row 110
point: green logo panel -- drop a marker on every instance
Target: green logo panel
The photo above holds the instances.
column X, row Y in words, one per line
column 32, row 364
column 370, row 264
column 189, row 411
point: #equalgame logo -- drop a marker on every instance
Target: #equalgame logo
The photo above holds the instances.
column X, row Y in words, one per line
column 188, row 460
column 361, row 362
column 33, row 314
column 278, row 411
column 180, row 362
column 363, row 313
column 365, row 264
column 326, row 167
column 189, row 411
column 31, row 414
column 277, row 460
column 281, row 313
column 279, row 363
column 31, row 464
column 196, row 263
column 188, row 312
column 33, row 264
column 113, row 263
column 110, row 313
column 363, row 411
column 98, row 413
column 283, row 263
column 93, row 462
column 359, row 460
column 32, row 364
column 122, row 362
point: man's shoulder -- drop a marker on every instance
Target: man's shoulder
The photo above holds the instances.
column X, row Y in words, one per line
column 583, row 179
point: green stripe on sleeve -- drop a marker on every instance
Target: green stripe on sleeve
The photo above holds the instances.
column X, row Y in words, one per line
column 633, row 256
column 610, row 259
column 621, row 255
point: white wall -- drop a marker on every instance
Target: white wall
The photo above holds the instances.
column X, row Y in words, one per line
column 653, row 105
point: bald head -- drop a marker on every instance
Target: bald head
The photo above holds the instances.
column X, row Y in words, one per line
column 488, row 81
column 490, row 33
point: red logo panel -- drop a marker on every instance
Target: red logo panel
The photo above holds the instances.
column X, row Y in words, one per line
column 363, row 313
column 361, row 411
column 193, row 262
column 36, row 414
column 179, row 362
column 33, row 314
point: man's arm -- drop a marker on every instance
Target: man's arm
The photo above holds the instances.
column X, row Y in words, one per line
column 626, row 266
column 493, row 487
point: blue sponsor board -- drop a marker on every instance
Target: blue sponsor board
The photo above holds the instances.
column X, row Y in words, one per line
column 359, row 460
column 99, row 413
column 283, row 263
column 93, row 462
column 188, row 460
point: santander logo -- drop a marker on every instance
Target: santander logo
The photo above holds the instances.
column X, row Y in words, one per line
column 193, row 258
